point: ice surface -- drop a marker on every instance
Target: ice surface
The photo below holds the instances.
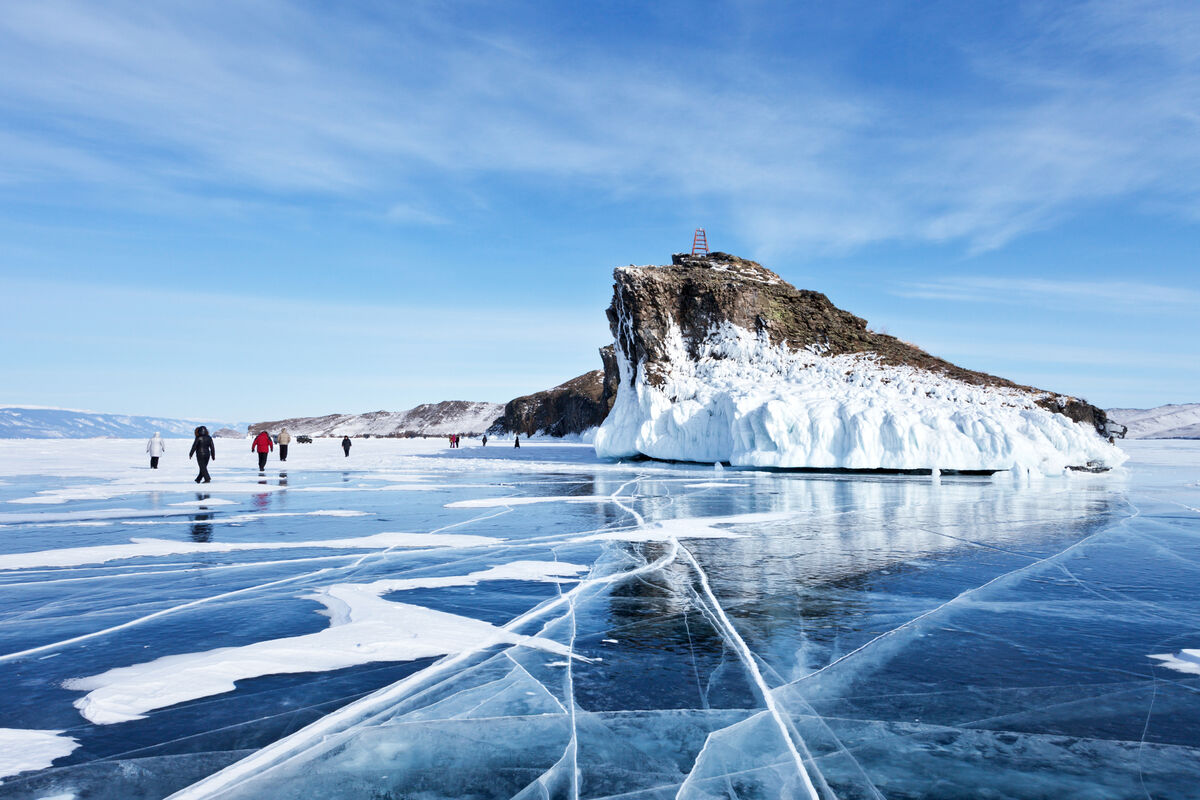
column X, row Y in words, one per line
column 678, row 632
column 747, row 402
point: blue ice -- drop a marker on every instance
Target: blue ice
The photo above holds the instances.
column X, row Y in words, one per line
column 632, row 630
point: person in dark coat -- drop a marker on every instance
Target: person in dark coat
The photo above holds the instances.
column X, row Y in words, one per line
column 346, row 445
column 263, row 444
column 517, row 440
column 484, row 440
column 203, row 449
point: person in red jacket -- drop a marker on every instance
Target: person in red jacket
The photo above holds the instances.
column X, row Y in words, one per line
column 264, row 445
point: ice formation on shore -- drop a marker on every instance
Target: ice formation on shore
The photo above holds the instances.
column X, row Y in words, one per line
column 737, row 398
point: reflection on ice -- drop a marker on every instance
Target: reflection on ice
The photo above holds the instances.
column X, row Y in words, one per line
column 593, row 630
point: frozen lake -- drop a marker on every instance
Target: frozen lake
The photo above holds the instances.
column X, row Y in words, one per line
column 418, row 622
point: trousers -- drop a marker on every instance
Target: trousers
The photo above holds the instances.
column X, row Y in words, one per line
column 202, row 462
column 283, row 452
column 153, row 462
column 262, row 461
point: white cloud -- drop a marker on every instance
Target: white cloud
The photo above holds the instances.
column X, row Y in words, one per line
column 1125, row 296
column 406, row 214
column 208, row 100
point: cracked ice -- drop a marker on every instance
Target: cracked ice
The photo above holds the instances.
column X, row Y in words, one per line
column 553, row 625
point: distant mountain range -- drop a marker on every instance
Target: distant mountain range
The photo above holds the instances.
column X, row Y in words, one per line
column 1181, row 421
column 61, row 423
column 428, row 419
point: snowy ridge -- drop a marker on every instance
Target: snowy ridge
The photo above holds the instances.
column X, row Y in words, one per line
column 432, row 419
column 742, row 400
column 1163, row 422
column 28, row 422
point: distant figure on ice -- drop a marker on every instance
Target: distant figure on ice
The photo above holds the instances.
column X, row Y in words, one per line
column 483, row 441
column 203, row 449
column 285, row 439
column 346, row 445
column 263, row 444
column 517, row 440
column 452, row 442
column 155, row 447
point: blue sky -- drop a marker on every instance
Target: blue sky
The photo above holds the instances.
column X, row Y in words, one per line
column 254, row 209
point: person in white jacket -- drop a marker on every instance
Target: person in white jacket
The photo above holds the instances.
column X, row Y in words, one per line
column 284, row 440
column 155, row 447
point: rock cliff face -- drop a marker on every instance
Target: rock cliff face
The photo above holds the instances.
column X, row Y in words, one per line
column 720, row 359
column 570, row 408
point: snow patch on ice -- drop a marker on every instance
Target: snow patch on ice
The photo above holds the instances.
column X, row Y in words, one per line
column 140, row 548
column 688, row 528
column 742, row 400
column 1183, row 661
column 493, row 502
column 108, row 491
column 364, row 628
column 98, row 514
column 22, row 750
column 249, row 517
column 550, row 571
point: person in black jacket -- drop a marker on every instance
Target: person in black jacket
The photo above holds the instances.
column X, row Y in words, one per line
column 203, row 449
column 346, row 445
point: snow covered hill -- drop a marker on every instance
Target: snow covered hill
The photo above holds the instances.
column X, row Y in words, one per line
column 722, row 360
column 1180, row 421
column 17, row 422
column 433, row 419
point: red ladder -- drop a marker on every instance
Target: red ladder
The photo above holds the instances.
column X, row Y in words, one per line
column 699, row 243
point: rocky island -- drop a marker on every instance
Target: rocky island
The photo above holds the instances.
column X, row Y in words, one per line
column 721, row 360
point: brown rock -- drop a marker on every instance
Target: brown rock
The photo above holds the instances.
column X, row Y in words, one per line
column 699, row 292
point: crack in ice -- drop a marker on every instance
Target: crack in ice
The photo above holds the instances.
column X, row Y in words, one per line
column 747, row 657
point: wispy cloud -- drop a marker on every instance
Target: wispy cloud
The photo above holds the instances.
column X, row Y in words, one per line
column 279, row 102
column 1111, row 295
column 406, row 214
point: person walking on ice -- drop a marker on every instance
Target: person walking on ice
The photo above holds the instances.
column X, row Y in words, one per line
column 285, row 439
column 203, row 449
column 263, row 444
column 155, row 447
column 346, row 445
column 517, row 440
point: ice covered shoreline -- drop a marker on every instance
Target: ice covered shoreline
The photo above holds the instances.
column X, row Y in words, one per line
column 746, row 402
